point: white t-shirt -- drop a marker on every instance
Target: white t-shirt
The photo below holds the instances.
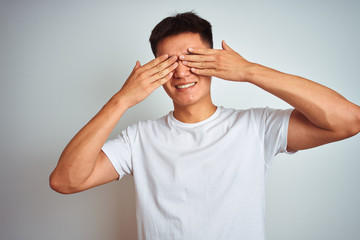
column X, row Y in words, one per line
column 204, row 180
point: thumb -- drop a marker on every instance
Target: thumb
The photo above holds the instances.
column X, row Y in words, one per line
column 137, row 65
column 225, row 46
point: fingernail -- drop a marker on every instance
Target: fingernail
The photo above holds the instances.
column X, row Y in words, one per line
column 190, row 49
column 182, row 57
column 184, row 62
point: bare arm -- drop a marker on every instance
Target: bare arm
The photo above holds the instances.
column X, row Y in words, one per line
column 321, row 115
column 82, row 164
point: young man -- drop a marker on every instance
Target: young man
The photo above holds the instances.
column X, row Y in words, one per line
column 200, row 171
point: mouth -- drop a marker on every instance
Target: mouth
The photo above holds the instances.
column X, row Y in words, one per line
column 185, row 85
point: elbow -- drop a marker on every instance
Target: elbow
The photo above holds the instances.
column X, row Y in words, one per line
column 348, row 125
column 356, row 129
column 352, row 126
column 58, row 185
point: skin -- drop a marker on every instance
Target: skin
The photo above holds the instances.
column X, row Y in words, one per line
column 321, row 115
column 191, row 104
column 83, row 165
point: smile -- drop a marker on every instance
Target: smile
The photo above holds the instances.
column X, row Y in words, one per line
column 186, row 85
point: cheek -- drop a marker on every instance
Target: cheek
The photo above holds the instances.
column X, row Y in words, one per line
column 166, row 87
column 206, row 81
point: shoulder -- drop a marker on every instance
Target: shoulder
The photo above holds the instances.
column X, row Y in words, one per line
column 267, row 113
column 257, row 115
column 147, row 125
column 242, row 113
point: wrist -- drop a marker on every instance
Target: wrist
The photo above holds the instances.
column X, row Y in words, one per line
column 257, row 74
column 252, row 73
column 120, row 102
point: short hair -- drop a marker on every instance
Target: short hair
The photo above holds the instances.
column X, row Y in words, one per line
column 181, row 23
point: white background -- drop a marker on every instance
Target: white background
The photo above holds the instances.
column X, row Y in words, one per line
column 60, row 61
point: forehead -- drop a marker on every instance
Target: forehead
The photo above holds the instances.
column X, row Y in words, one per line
column 178, row 44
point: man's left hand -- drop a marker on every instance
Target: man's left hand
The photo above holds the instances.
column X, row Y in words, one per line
column 222, row 63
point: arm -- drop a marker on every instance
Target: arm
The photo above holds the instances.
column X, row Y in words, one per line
column 321, row 115
column 83, row 165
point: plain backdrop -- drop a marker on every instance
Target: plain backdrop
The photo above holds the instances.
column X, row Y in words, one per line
column 60, row 62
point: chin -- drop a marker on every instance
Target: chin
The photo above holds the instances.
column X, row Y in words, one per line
column 188, row 101
column 184, row 103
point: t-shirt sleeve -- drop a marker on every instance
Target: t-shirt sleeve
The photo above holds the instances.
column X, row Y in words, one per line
column 273, row 131
column 118, row 151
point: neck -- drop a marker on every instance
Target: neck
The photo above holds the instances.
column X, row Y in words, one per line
column 194, row 113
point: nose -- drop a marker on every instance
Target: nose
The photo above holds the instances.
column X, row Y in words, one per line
column 181, row 71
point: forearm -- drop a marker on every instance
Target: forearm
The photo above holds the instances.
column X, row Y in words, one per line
column 321, row 114
column 78, row 159
column 322, row 106
column 82, row 165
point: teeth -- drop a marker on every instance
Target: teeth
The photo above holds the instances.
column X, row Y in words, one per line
column 186, row 85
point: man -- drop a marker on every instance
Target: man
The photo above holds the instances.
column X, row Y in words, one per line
column 200, row 171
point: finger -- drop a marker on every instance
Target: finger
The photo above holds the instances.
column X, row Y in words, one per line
column 162, row 66
column 155, row 61
column 199, row 64
column 161, row 74
column 137, row 65
column 203, row 51
column 225, row 46
column 161, row 81
column 204, row 72
column 197, row 58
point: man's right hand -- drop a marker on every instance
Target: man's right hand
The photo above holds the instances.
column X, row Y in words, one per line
column 83, row 165
column 143, row 80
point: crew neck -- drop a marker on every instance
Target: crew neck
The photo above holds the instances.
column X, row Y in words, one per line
column 179, row 123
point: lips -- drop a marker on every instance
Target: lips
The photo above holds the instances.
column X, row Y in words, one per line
column 183, row 86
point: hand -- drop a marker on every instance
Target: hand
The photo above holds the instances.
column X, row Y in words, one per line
column 222, row 63
column 143, row 80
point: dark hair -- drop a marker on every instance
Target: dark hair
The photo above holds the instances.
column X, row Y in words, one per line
column 181, row 23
